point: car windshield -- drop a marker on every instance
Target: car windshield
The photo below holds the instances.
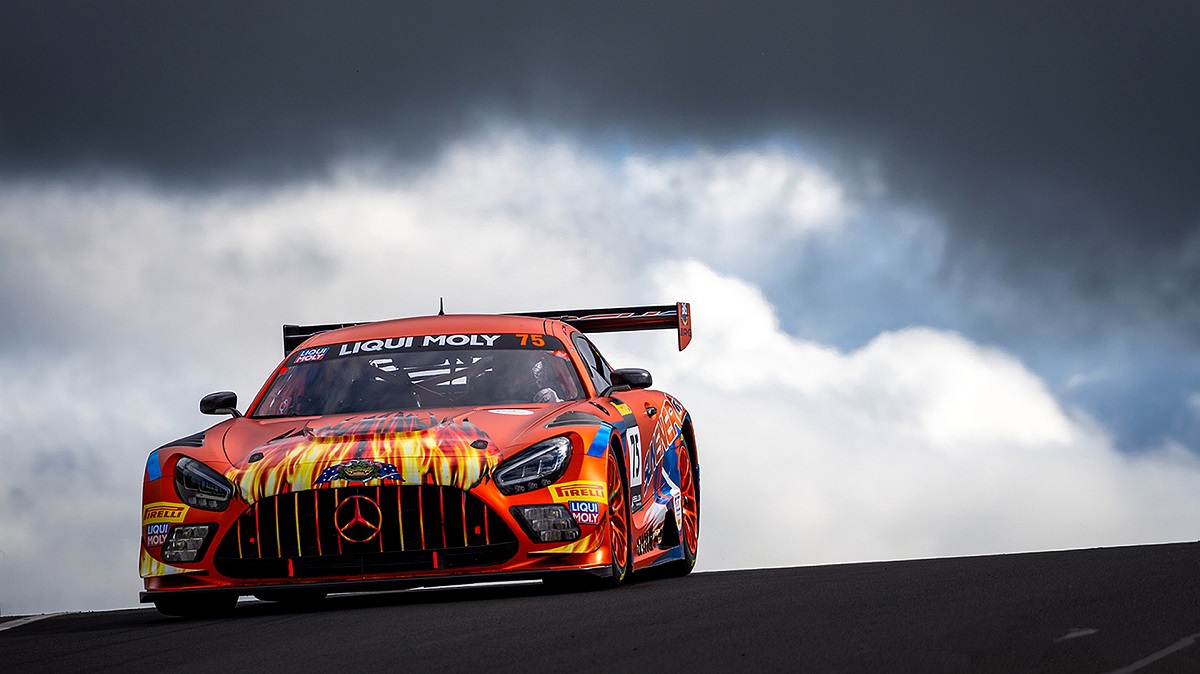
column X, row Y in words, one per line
column 346, row 379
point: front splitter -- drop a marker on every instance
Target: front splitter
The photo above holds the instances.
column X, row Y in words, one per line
column 376, row 584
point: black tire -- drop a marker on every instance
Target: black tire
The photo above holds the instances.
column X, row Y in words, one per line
column 619, row 572
column 684, row 566
column 199, row 606
column 621, row 568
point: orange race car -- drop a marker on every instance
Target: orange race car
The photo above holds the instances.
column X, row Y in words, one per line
column 426, row 451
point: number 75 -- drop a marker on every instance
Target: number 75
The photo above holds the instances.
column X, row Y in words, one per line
column 536, row 340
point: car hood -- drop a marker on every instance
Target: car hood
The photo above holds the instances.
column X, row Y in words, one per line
column 457, row 447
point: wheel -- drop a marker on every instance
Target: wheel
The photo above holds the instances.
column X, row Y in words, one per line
column 200, row 606
column 618, row 520
column 689, row 534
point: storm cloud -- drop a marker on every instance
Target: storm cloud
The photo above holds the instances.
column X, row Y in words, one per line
column 919, row 443
column 891, row 193
column 1057, row 142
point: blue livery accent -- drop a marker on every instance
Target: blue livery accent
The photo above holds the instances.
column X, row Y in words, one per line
column 153, row 469
column 600, row 444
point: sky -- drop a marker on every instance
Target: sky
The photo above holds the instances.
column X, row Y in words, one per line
column 943, row 258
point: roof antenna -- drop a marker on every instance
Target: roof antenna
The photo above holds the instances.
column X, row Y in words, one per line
column 441, row 306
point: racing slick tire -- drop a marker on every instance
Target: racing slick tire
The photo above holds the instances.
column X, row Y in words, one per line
column 618, row 517
column 204, row 606
column 689, row 529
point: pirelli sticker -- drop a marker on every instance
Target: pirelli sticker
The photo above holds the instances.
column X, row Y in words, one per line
column 164, row 512
column 580, row 490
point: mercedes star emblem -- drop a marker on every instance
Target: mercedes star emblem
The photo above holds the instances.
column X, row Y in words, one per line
column 357, row 519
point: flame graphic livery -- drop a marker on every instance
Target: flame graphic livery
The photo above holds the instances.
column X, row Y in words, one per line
column 151, row 567
column 423, row 450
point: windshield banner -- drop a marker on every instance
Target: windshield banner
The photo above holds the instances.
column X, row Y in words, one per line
column 427, row 343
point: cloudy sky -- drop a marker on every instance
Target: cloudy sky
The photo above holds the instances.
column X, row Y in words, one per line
column 944, row 259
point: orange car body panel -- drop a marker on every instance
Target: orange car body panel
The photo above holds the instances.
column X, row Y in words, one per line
column 304, row 468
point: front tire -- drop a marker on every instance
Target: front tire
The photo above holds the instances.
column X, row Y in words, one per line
column 618, row 520
column 618, row 538
column 689, row 529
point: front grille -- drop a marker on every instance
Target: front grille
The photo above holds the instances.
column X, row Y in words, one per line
column 421, row 528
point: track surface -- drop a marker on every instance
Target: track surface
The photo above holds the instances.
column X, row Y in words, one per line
column 1110, row 609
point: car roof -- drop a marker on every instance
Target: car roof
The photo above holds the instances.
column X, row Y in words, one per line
column 449, row 324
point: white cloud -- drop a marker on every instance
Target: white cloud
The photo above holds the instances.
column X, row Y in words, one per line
column 744, row 187
column 1193, row 401
column 733, row 207
column 75, row 431
column 919, row 443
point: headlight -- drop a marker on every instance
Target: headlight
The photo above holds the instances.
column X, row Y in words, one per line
column 201, row 486
column 534, row 468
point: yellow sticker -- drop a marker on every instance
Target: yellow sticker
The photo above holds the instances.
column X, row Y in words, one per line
column 580, row 490
column 163, row 512
column 151, row 567
column 623, row 409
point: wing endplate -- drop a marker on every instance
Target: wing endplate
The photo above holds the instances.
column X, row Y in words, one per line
column 677, row 317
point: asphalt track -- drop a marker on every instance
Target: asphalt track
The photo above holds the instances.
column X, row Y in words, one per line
column 1109, row 609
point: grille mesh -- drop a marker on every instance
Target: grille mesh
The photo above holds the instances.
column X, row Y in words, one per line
column 422, row 527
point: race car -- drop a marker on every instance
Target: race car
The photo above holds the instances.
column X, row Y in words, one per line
column 428, row 451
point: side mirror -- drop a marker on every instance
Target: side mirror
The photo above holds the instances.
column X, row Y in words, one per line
column 221, row 402
column 628, row 378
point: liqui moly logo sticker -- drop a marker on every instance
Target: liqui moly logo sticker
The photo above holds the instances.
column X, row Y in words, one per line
column 397, row 343
column 585, row 512
column 156, row 534
column 309, row 355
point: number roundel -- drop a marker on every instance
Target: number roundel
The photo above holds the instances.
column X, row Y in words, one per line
column 633, row 440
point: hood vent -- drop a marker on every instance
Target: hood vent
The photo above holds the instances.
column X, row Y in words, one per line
column 575, row 419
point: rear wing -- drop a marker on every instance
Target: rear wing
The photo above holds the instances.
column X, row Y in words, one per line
column 677, row 317
column 294, row 335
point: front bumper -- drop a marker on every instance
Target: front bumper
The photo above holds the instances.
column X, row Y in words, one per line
column 419, row 535
column 377, row 584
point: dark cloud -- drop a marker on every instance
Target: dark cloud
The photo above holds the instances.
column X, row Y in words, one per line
column 1100, row 93
column 1058, row 140
column 1057, row 129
